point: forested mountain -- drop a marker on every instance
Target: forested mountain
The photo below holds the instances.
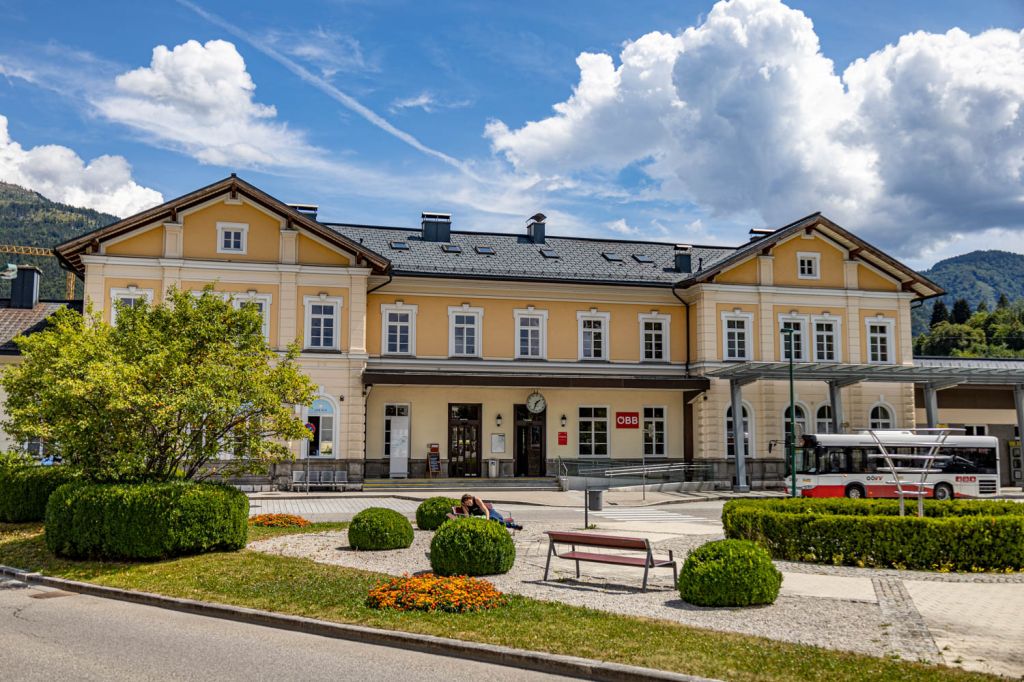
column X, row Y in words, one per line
column 28, row 218
column 976, row 276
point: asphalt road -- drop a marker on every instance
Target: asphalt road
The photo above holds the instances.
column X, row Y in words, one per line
column 52, row 635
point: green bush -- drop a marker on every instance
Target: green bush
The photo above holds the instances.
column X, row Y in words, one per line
column 145, row 520
column 969, row 535
column 434, row 511
column 24, row 490
column 379, row 528
column 729, row 573
column 472, row 546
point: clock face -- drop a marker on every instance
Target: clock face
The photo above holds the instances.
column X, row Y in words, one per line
column 536, row 403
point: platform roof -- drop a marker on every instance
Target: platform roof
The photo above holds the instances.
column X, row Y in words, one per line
column 846, row 374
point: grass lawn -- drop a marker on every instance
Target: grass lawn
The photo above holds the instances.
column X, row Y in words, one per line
column 334, row 593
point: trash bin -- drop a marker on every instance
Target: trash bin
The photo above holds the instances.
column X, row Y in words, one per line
column 595, row 500
column 492, row 468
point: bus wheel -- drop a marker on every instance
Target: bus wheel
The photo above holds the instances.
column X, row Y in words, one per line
column 854, row 492
column 943, row 491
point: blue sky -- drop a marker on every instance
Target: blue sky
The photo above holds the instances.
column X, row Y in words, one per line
column 725, row 116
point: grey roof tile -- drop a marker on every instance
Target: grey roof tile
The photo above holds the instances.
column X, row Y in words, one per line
column 518, row 258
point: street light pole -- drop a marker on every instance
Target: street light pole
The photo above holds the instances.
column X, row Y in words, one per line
column 791, row 441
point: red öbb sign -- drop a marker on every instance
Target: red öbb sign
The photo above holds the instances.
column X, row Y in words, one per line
column 627, row 420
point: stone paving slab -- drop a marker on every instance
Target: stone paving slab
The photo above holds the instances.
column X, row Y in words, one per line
column 977, row 626
column 828, row 587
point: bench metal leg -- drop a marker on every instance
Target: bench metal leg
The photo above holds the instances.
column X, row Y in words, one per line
column 551, row 550
column 577, row 563
column 675, row 570
column 646, row 570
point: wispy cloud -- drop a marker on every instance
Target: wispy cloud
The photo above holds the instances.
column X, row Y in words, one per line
column 329, row 89
column 329, row 51
column 426, row 101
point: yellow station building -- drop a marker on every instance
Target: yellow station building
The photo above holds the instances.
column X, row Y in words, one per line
column 523, row 353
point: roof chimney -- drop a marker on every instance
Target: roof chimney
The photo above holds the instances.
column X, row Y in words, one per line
column 759, row 233
column 535, row 228
column 684, row 259
column 308, row 210
column 437, row 227
column 25, row 287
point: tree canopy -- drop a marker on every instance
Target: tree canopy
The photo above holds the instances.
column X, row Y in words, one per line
column 172, row 388
column 998, row 334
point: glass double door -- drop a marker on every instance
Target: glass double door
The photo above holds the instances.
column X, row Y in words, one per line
column 464, row 439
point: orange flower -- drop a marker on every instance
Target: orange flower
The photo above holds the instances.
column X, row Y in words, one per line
column 278, row 521
column 427, row 592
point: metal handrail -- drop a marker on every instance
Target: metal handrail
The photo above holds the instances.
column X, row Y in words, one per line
column 928, row 459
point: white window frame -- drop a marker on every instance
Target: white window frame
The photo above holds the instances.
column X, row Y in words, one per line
column 666, row 346
column 121, row 293
column 815, row 259
column 335, row 424
column 240, row 299
column 607, row 431
column 477, row 313
column 890, row 325
column 605, row 319
column 818, row 420
column 784, row 345
column 223, row 227
column 972, row 429
column 663, row 419
column 894, row 423
column 308, row 303
column 385, row 445
column 749, row 450
column 387, row 308
column 837, row 336
column 522, row 313
column 748, row 326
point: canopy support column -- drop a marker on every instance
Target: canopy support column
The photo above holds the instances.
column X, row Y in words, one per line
column 1018, row 402
column 835, row 399
column 736, row 392
column 931, row 405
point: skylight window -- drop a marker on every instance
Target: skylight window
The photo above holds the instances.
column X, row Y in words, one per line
column 549, row 253
column 611, row 256
column 486, row 250
column 400, row 246
column 451, row 248
column 642, row 258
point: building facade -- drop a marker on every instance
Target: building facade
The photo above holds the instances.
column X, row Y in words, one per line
column 527, row 354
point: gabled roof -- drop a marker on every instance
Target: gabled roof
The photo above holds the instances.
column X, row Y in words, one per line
column 17, row 321
column 816, row 222
column 517, row 257
column 71, row 251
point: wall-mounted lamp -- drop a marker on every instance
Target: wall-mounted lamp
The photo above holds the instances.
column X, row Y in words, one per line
column 341, row 398
column 497, row 420
column 563, row 421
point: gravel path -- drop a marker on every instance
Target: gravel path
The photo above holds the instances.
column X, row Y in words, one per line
column 831, row 623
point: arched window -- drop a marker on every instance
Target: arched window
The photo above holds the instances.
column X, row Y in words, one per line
column 730, row 444
column 320, row 422
column 800, row 421
column 881, row 417
column 823, row 419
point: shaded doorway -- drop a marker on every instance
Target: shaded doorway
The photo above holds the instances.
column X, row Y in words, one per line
column 464, row 439
column 530, row 448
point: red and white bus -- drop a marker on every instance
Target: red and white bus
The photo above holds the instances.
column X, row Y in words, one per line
column 838, row 465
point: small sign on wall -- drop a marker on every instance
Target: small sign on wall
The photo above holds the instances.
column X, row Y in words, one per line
column 563, row 437
column 627, row 420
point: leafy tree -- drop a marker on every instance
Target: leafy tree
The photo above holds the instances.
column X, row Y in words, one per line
column 940, row 313
column 170, row 389
column 1003, row 302
column 982, row 307
column 961, row 311
column 945, row 338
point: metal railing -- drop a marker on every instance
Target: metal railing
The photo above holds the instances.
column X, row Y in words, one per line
column 925, row 464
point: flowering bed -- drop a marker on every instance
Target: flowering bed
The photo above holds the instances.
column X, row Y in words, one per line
column 278, row 521
column 428, row 592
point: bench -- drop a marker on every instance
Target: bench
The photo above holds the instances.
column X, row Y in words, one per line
column 319, row 479
column 574, row 540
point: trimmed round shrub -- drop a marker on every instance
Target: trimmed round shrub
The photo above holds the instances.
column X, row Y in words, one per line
column 25, row 490
column 472, row 546
column 434, row 511
column 729, row 573
column 378, row 528
column 145, row 521
column 958, row 535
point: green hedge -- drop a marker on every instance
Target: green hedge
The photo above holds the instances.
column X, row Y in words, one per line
column 378, row 528
column 729, row 573
column 25, row 490
column 434, row 511
column 472, row 546
column 145, row 520
column 971, row 535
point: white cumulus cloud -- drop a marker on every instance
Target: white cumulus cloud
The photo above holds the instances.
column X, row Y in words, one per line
column 58, row 173
column 744, row 113
column 199, row 98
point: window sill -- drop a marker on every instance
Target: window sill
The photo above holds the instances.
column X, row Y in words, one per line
column 328, row 351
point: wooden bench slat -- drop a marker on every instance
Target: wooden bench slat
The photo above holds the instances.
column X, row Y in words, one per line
column 594, row 540
column 604, row 558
